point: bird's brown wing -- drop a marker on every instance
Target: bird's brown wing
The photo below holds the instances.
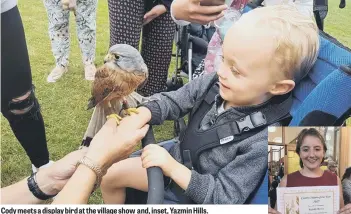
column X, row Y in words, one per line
column 111, row 84
column 127, row 82
column 102, row 86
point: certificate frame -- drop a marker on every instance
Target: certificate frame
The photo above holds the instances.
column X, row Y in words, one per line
column 308, row 200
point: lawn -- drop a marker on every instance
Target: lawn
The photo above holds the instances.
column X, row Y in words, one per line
column 63, row 104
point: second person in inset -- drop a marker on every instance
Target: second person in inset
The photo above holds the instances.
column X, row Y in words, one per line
column 85, row 15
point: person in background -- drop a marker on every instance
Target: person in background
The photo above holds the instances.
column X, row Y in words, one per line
column 332, row 167
column 273, row 193
column 281, row 170
column 186, row 11
column 85, row 16
column 128, row 18
column 19, row 105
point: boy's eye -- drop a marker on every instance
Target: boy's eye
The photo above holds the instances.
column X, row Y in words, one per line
column 232, row 68
column 234, row 71
column 305, row 150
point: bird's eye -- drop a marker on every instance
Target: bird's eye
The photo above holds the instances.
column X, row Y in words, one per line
column 116, row 56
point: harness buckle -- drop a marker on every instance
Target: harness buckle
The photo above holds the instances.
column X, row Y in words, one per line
column 251, row 121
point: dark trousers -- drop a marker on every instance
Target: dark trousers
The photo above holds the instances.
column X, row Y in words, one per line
column 16, row 81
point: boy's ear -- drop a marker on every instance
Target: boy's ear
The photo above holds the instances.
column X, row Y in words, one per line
column 282, row 87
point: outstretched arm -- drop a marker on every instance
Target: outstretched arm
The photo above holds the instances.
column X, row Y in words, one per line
column 176, row 104
column 19, row 193
column 49, row 180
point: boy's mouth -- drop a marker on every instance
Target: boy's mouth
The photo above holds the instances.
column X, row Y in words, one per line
column 222, row 85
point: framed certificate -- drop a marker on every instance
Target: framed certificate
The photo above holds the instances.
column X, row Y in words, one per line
column 308, row 200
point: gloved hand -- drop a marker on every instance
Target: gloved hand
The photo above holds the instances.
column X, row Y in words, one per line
column 69, row 5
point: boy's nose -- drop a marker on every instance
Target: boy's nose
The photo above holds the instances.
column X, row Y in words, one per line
column 222, row 73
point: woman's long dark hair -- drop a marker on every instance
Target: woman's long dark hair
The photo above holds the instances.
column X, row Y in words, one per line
column 347, row 173
column 309, row 132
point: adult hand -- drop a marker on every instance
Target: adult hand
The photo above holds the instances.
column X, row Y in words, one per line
column 272, row 211
column 155, row 155
column 192, row 11
column 52, row 179
column 155, row 12
column 114, row 143
column 345, row 210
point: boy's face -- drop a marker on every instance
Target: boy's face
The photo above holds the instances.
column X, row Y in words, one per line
column 248, row 74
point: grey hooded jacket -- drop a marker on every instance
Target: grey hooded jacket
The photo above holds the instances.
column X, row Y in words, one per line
column 229, row 173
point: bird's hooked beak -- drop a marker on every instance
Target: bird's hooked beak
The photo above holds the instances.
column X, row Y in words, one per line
column 110, row 57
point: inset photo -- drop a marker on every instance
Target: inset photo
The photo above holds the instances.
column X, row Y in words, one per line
column 309, row 169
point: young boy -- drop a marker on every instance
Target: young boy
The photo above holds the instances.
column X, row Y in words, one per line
column 264, row 54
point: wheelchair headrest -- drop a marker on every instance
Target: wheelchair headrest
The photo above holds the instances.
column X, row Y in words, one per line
column 324, row 95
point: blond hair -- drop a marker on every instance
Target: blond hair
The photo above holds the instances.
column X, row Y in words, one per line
column 296, row 36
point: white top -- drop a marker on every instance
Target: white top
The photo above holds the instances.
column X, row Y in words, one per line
column 7, row 5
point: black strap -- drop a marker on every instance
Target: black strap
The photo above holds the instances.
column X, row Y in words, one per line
column 209, row 96
column 319, row 20
column 36, row 191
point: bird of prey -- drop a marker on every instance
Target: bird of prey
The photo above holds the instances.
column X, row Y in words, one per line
column 123, row 72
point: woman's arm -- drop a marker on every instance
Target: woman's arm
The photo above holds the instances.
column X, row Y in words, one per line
column 19, row 193
column 78, row 188
column 49, row 180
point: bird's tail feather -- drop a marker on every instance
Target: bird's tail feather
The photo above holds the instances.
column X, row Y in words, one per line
column 91, row 103
column 98, row 117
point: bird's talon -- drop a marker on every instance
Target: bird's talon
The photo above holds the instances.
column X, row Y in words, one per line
column 129, row 111
column 116, row 117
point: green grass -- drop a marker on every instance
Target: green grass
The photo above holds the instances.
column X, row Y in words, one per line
column 63, row 103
